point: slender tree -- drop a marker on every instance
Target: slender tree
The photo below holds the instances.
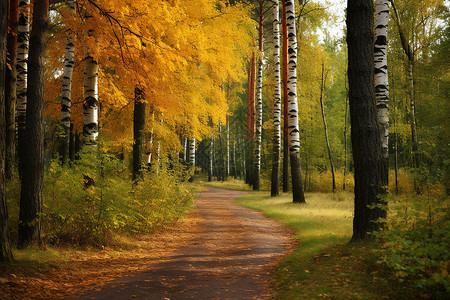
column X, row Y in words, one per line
column 138, row 132
column 381, row 76
column 276, row 104
column 66, row 91
column 322, row 90
column 211, row 158
column 90, row 105
column 31, row 196
column 23, row 37
column 5, row 246
column 250, row 117
column 285, row 102
column 366, row 144
column 11, row 88
column 192, row 155
column 294, row 132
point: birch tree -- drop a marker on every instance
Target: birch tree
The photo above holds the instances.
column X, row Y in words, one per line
column 31, row 194
column 381, row 76
column 66, row 90
column 23, row 36
column 276, row 103
column 285, row 103
column 90, row 105
column 5, row 246
column 294, row 132
column 192, row 155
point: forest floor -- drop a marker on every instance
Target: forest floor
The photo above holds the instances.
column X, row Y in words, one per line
column 219, row 251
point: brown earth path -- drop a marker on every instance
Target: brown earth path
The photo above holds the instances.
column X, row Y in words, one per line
column 230, row 258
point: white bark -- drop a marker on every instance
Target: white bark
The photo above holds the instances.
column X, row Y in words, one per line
column 258, row 125
column 192, row 151
column 381, row 72
column 294, row 133
column 90, row 105
column 276, row 101
column 66, row 92
column 228, row 148
column 23, row 37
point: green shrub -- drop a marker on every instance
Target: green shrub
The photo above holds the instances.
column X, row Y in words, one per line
column 415, row 244
column 90, row 201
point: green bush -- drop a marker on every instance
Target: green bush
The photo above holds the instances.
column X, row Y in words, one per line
column 90, row 201
column 415, row 244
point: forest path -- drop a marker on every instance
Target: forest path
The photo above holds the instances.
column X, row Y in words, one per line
column 231, row 258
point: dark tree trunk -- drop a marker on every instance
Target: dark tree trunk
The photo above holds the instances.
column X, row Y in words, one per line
column 5, row 246
column 10, row 88
column 366, row 144
column 285, row 103
column 345, row 136
column 31, row 196
column 138, row 132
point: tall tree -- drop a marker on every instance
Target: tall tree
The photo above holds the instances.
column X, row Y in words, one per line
column 274, row 191
column 11, row 87
column 294, row 132
column 66, row 91
column 366, row 144
column 90, row 105
column 285, row 102
column 5, row 246
column 23, row 37
column 381, row 76
column 259, row 104
column 322, row 108
column 192, row 155
column 31, row 196
column 138, row 132
column 250, row 116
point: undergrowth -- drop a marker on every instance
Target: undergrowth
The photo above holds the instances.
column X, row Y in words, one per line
column 90, row 202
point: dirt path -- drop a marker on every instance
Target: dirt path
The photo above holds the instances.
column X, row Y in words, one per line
column 231, row 258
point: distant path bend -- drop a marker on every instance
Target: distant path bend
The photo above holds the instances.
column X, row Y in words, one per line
column 231, row 258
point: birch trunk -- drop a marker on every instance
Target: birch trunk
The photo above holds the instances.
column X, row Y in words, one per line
column 23, row 38
column 276, row 104
column 211, row 158
column 192, row 156
column 228, row 147
column 322, row 89
column 285, row 103
column 5, row 245
column 381, row 76
column 90, row 105
column 66, row 90
column 31, row 194
column 294, row 132
column 258, row 128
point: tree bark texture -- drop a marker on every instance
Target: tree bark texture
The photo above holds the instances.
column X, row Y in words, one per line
column 192, row 155
column 11, row 88
column 294, row 132
column 90, row 105
column 258, row 129
column 381, row 76
column 138, row 132
column 31, row 196
column 274, row 191
column 23, row 38
column 66, row 90
column 285, row 103
column 5, row 245
column 366, row 144
column 211, row 158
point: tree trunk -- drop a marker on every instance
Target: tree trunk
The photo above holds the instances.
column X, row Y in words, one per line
column 192, row 155
column 345, row 134
column 294, row 132
column 322, row 90
column 228, row 146
column 90, row 105
column 274, row 191
column 31, row 196
column 5, row 246
column 23, row 37
column 211, row 158
column 66, row 90
column 138, row 132
column 381, row 77
column 285, row 103
column 11, row 88
column 366, row 144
